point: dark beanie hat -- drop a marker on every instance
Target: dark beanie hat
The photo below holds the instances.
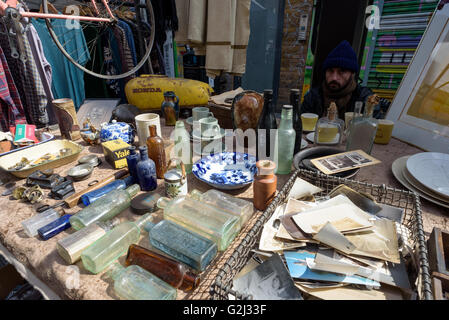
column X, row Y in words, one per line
column 342, row 56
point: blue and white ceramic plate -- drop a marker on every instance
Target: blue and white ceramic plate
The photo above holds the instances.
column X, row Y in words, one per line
column 226, row 170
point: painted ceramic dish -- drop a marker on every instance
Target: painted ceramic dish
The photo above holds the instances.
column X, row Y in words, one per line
column 226, row 170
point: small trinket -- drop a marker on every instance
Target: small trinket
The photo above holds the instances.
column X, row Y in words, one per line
column 18, row 192
column 33, row 194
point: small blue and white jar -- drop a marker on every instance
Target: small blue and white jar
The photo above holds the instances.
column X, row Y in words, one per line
column 116, row 130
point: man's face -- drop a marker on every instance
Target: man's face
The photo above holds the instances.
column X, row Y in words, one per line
column 337, row 78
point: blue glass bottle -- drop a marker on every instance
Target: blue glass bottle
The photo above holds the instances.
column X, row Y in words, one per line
column 94, row 195
column 132, row 159
column 146, row 171
column 55, row 227
column 184, row 245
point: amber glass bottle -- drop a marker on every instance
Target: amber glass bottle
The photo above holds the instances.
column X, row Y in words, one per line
column 156, row 152
column 169, row 270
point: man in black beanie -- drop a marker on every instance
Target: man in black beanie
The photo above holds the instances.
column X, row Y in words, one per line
column 340, row 85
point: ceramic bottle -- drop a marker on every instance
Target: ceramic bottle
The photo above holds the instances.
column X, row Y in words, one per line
column 182, row 244
column 206, row 220
column 297, row 122
column 113, row 244
column 285, row 141
column 241, row 208
column 136, row 283
column 31, row 225
column 53, row 228
column 267, row 122
column 146, row 171
column 70, row 247
column 94, row 195
column 171, row 271
column 104, row 208
column 170, row 108
column 156, row 151
column 182, row 148
column 264, row 185
column 132, row 159
column 329, row 129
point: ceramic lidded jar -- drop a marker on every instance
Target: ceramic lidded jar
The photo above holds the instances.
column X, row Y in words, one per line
column 170, row 108
column 175, row 180
column 117, row 130
column 264, row 186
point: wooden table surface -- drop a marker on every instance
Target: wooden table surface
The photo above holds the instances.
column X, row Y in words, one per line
column 42, row 259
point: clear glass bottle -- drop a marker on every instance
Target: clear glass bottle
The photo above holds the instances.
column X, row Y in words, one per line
column 146, row 171
column 94, row 195
column 206, row 220
column 171, row 271
column 238, row 207
column 105, row 208
column 267, row 122
column 297, row 122
column 156, row 151
column 362, row 130
column 31, row 225
column 136, row 283
column 53, row 228
column 182, row 148
column 70, row 247
column 113, row 244
column 285, row 141
column 182, row 244
column 329, row 129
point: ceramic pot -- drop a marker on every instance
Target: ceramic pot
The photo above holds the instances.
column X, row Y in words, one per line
column 175, row 180
column 117, row 130
column 264, row 186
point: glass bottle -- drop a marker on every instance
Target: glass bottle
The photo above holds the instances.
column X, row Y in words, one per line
column 182, row 244
column 104, row 208
column 53, row 228
column 285, row 142
column 264, row 185
column 132, row 159
column 206, row 220
column 174, row 273
column 113, row 244
column 146, row 171
column 182, row 148
column 71, row 247
column 136, row 283
column 156, row 151
column 362, row 130
column 267, row 121
column 238, row 207
column 94, row 195
column 297, row 122
column 31, row 225
column 329, row 129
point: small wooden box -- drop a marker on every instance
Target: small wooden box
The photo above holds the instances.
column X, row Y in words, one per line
column 438, row 247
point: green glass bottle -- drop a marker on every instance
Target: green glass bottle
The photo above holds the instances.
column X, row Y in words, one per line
column 285, row 141
column 182, row 148
column 105, row 208
column 136, row 283
column 113, row 244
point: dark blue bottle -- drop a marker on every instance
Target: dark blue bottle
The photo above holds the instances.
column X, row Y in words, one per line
column 94, row 195
column 55, row 227
column 132, row 159
column 146, row 171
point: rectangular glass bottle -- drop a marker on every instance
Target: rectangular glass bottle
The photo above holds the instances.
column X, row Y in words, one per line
column 31, row 225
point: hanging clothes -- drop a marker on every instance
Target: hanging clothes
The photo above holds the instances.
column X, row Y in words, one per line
column 130, row 39
column 68, row 80
column 11, row 105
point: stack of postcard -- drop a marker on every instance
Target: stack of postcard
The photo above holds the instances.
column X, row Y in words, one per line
column 341, row 246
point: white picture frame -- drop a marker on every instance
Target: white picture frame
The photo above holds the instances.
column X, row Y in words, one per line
column 420, row 108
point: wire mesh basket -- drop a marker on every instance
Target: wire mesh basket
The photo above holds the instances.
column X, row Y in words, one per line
column 411, row 223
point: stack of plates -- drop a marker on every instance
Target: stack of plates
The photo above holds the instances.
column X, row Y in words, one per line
column 426, row 174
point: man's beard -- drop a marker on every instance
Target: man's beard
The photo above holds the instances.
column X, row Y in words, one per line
column 338, row 88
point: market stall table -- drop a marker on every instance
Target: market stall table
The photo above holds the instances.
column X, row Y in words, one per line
column 52, row 274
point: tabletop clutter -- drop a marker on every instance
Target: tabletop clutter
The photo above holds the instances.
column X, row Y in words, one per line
column 341, row 245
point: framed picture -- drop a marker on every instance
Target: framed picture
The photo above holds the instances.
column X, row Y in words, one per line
column 420, row 108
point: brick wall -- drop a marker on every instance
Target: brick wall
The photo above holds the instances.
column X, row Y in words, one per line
column 294, row 51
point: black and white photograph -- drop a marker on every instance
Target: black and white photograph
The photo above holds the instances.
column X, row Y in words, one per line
column 344, row 161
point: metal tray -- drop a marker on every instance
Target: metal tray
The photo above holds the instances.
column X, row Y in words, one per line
column 37, row 151
column 46, row 136
column 411, row 223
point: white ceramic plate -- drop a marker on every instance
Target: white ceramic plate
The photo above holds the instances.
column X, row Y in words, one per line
column 311, row 138
column 398, row 168
column 431, row 169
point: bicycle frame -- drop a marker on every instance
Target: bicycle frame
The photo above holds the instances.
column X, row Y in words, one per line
column 37, row 15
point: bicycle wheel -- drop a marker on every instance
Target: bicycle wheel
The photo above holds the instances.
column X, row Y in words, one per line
column 100, row 35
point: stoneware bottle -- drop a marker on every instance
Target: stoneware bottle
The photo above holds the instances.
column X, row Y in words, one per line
column 264, row 185
column 156, row 151
column 170, row 108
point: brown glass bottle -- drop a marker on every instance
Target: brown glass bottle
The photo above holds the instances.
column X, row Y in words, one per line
column 169, row 270
column 156, row 152
column 264, row 186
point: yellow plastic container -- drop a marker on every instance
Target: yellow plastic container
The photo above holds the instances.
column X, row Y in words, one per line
column 147, row 91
